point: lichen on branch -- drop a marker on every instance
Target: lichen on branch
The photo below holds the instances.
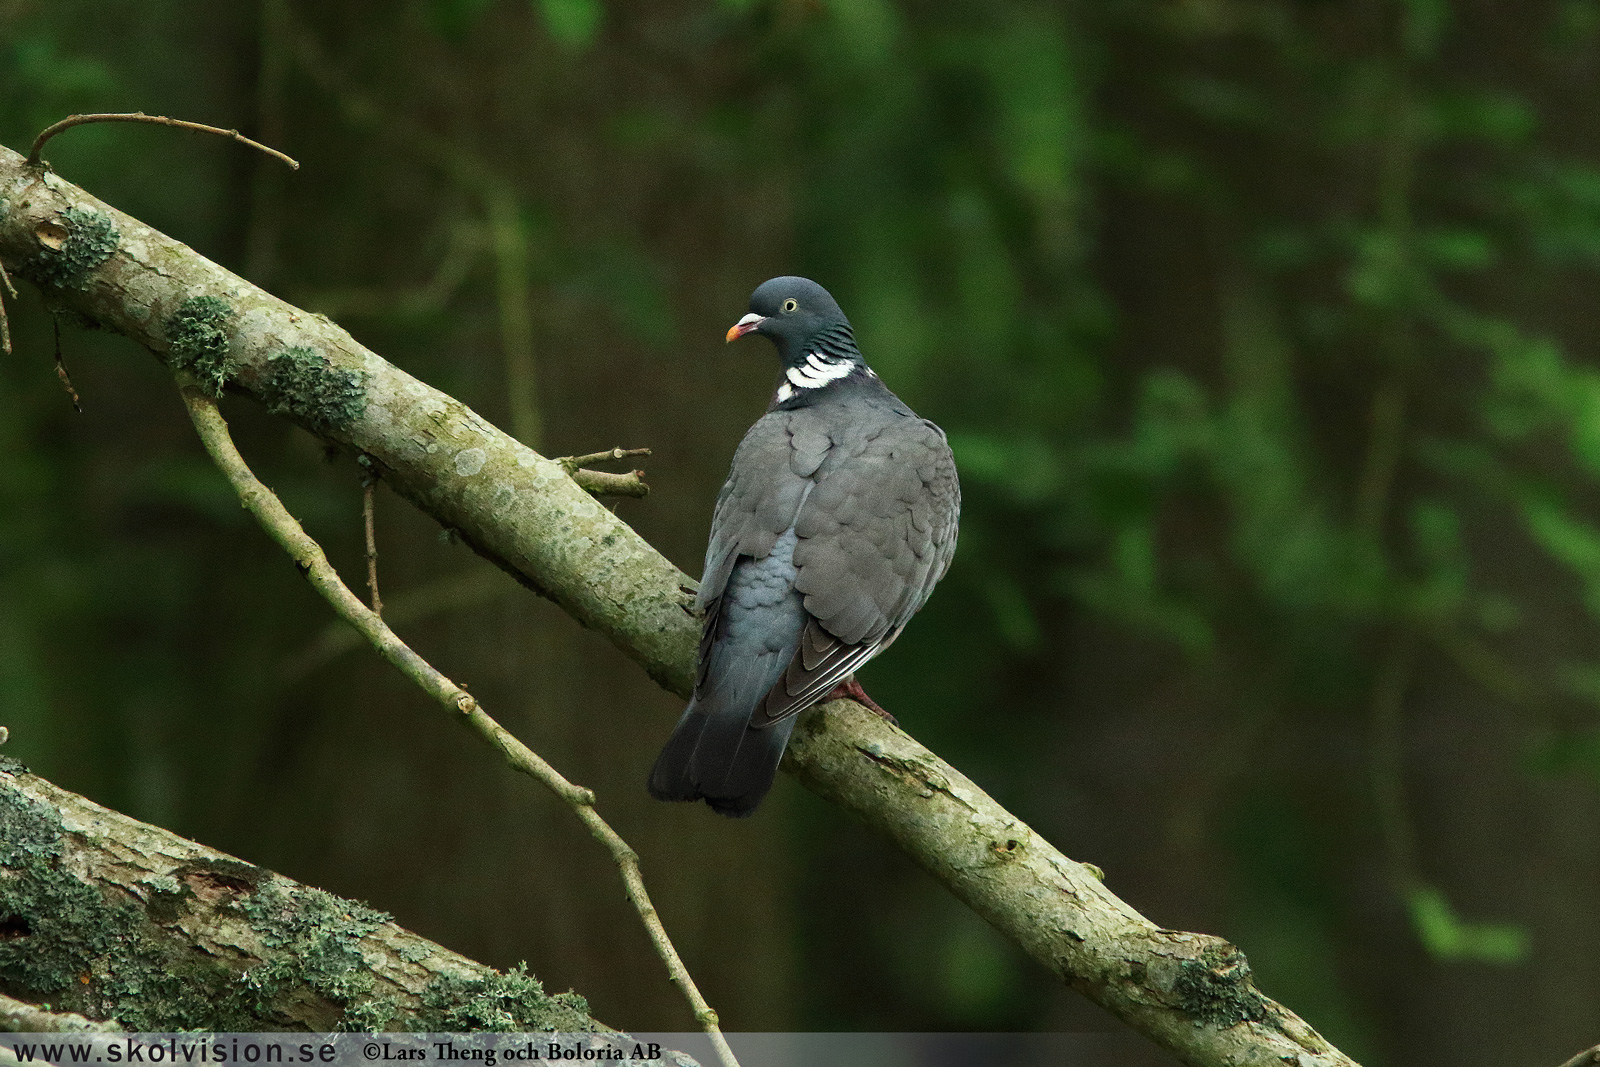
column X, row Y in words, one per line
column 111, row 918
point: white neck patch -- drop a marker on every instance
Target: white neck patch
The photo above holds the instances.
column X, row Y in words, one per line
column 818, row 371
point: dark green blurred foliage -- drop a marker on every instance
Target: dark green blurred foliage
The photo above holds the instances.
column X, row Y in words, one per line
column 1263, row 332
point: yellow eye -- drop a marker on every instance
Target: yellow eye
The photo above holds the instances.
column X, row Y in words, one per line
column 790, row 304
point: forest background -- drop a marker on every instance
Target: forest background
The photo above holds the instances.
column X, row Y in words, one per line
column 1263, row 332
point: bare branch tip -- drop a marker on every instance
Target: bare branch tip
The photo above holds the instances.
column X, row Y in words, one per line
column 572, row 463
column 70, row 121
column 61, row 368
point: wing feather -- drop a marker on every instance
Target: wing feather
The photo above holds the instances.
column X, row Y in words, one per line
column 875, row 536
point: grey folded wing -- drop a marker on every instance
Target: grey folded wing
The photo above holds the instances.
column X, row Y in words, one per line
column 757, row 504
column 876, row 533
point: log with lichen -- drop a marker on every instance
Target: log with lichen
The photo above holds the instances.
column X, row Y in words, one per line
column 110, row 918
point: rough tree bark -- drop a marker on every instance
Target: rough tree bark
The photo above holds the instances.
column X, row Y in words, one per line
column 1191, row 993
column 112, row 918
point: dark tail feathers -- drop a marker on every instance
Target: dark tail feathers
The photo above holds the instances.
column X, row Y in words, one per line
column 728, row 764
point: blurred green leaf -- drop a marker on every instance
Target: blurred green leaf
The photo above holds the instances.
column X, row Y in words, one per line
column 1436, row 533
column 1042, row 131
column 1381, row 275
column 1027, row 468
column 41, row 82
column 1557, row 204
column 573, row 23
column 1570, row 540
column 1133, row 556
column 1480, row 114
column 1172, row 424
column 1458, row 249
column 1496, row 613
column 1448, row 937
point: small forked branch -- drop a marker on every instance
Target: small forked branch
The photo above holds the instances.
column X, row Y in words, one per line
column 604, row 483
column 159, row 120
column 308, row 556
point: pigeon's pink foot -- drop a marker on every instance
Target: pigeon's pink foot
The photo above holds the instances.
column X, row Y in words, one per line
column 850, row 689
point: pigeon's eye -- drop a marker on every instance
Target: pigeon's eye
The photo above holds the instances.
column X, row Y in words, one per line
column 790, row 304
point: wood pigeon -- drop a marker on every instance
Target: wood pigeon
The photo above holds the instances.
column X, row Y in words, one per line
column 838, row 517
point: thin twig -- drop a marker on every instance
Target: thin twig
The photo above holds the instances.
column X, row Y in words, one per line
column 572, row 463
column 159, row 120
column 5, row 323
column 309, row 558
column 369, row 485
column 61, row 369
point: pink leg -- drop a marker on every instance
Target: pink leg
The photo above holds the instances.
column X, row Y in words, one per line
column 850, row 689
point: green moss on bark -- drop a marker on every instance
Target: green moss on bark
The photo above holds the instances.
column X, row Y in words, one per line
column 319, row 936
column 1217, row 988
column 199, row 336
column 91, row 238
column 303, row 383
column 83, row 949
column 512, row 1002
column 107, row 951
column 56, row 926
column 95, row 951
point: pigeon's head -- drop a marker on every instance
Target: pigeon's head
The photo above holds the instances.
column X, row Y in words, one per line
column 797, row 315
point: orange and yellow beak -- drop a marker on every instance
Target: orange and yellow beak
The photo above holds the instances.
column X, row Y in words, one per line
column 744, row 326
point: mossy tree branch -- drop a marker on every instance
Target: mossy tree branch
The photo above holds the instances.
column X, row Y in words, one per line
column 111, row 918
column 1191, row 993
